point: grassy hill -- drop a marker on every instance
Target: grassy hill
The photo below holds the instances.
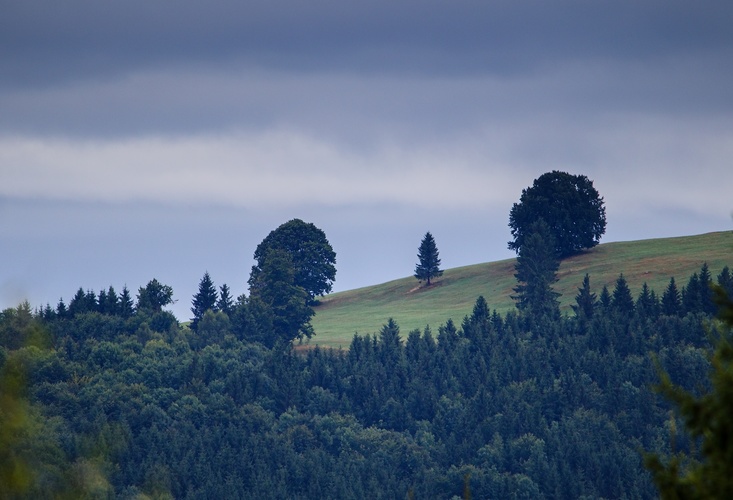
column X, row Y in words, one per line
column 365, row 310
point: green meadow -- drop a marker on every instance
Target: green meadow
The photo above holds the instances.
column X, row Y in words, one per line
column 413, row 305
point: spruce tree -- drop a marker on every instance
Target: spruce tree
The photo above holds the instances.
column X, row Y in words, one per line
column 536, row 268
column 126, row 305
column 725, row 281
column 204, row 300
column 585, row 300
column 671, row 302
column 225, row 303
column 622, row 300
column 429, row 265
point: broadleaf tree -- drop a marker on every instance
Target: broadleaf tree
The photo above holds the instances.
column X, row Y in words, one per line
column 571, row 207
column 429, row 261
column 313, row 258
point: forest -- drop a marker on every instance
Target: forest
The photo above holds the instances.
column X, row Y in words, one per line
column 114, row 398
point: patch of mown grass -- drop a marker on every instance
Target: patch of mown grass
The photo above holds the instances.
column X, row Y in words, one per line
column 365, row 310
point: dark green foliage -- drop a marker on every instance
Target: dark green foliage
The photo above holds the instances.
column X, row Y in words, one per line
column 671, row 300
column 647, row 304
column 585, row 300
column 605, row 299
column 126, row 306
column 314, row 261
column 571, row 207
column 622, row 301
column 154, row 296
column 225, row 303
column 708, row 418
column 136, row 406
column 204, row 300
column 429, row 262
column 282, row 310
column 536, row 272
column 725, row 281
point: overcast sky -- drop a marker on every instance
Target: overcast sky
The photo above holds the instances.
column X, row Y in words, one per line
column 155, row 139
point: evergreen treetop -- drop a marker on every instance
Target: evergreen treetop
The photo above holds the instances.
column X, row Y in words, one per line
column 429, row 261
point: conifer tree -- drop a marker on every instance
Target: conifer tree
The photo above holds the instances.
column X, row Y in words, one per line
column 671, row 303
column 691, row 297
column 126, row 306
column 204, row 300
column 429, row 265
column 605, row 299
column 225, row 303
column 725, row 281
column 622, row 300
column 585, row 300
column 536, row 268
column 647, row 304
column 708, row 419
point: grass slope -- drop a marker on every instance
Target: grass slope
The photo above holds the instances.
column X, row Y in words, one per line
column 365, row 310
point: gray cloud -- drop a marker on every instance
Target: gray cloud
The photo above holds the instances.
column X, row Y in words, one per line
column 53, row 41
column 169, row 138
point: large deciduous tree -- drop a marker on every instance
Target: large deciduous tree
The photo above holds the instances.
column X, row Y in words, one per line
column 429, row 265
column 154, row 296
column 312, row 256
column 571, row 207
column 282, row 304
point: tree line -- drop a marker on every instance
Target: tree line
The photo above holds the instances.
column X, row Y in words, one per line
column 505, row 404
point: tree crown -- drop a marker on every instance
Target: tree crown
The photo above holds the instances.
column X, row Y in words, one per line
column 571, row 207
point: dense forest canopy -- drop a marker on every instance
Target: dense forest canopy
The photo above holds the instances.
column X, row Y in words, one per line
column 108, row 398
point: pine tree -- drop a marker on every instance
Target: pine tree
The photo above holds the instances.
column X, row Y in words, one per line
column 671, row 302
column 429, row 265
column 647, row 304
column 225, row 303
column 536, row 268
column 585, row 300
column 691, row 297
column 204, row 300
column 622, row 301
column 126, row 307
column 706, row 291
column 605, row 299
column 725, row 281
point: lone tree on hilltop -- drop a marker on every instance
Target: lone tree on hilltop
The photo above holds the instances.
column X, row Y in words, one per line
column 429, row 265
column 313, row 259
column 571, row 207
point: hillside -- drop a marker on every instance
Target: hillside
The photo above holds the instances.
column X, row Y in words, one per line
column 653, row 261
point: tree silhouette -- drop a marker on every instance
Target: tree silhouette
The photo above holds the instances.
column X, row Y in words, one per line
column 429, row 265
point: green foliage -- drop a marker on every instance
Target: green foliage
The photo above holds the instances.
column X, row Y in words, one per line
column 283, row 306
column 204, row 300
column 154, row 296
column 314, row 261
column 428, row 266
column 585, row 300
column 708, row 419
column 536, row 273
column 571, row 207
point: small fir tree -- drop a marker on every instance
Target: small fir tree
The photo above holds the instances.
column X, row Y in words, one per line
column 671, row 301
column 204, row 300
column 225, row 303
column 585, row 300
column 126, row 307
column 536, row 268
column 622, row 300
column 429, row 265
